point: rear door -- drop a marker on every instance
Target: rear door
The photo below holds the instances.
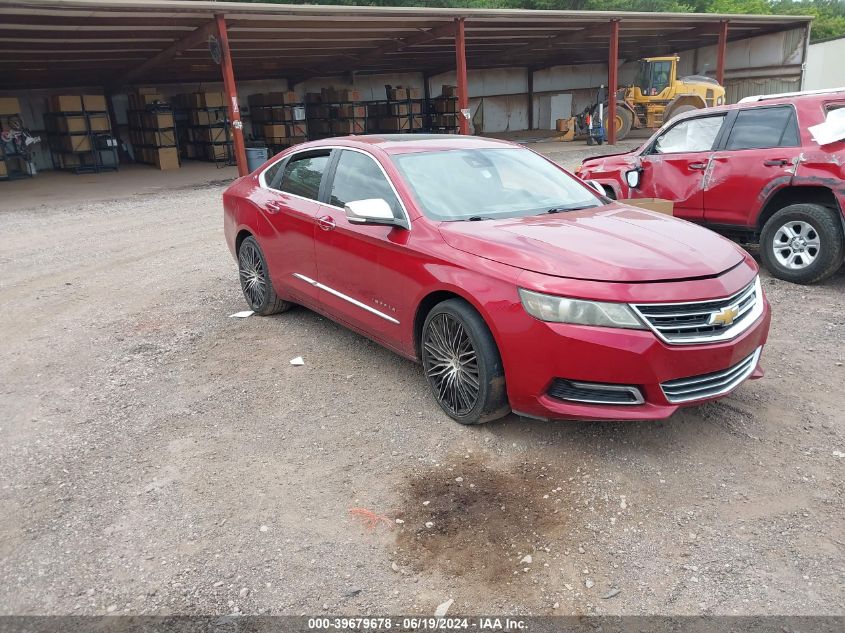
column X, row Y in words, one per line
column 673, row 167
column 757, row 154
column 290, row 204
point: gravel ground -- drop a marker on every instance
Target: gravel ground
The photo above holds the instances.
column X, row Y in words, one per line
column 159, row 457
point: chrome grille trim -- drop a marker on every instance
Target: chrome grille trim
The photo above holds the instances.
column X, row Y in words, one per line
column 708, row 385
column 688, row 322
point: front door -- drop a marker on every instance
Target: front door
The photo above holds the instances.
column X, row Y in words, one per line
column 356, row 263
column 673, row 167
column 760, row 150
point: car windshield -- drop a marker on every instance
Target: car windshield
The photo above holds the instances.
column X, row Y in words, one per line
column 480, row 184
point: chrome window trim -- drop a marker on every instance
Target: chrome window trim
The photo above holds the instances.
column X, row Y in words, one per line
column 754, row 315
column 634, row 391
column 732, row 384
column 406, row 221
column 340, row 295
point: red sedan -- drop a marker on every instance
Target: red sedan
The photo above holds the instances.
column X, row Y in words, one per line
column 515, row 284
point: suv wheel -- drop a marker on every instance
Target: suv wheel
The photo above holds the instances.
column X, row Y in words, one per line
column 255, row 280
column 462, row 364
column 802, row 243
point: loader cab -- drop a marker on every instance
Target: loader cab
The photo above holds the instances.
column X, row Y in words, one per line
column 655, row 75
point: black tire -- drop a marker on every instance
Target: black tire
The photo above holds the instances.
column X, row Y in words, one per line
column 454, row 330
column 820, row 226
column 255, row 280
column 624, row 120
column 679, row 110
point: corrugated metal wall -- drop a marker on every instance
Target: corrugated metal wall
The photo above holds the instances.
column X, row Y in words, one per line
column 740, row 88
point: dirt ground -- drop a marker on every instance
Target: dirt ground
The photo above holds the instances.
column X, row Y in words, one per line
column 159, row 457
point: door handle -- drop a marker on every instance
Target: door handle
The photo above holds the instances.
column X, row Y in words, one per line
column 697, row 166
column 776, row 162
column 326, row 222
column 274, row 206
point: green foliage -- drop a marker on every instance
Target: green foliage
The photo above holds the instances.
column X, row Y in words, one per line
column 829, row 14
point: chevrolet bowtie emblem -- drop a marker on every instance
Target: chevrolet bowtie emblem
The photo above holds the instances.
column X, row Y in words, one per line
column 725, row 317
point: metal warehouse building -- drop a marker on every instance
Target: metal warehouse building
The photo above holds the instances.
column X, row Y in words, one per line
column 504, row 63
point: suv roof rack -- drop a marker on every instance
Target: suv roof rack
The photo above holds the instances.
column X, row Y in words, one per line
column 790, row 94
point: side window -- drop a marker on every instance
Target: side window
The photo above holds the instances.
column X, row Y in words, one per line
column 758, row 128
column 358, row 177
column 692, row 135
column 303, row 173
column 271, row 174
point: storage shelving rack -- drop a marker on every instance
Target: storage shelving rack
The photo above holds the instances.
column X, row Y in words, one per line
column 150, row 130
column 443, row 115
column 85, row 145
column 318, row 116
column 269, row 110
column 13, row 163
column 205, row 134
column 400, row 113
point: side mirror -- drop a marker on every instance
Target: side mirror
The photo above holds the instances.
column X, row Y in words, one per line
column 371, row 211
column 632, row 177
column 597, row 186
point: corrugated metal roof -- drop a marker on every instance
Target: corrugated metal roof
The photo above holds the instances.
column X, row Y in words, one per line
column 90, row 42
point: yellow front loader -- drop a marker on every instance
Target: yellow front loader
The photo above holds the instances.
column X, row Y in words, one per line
column 658, row 95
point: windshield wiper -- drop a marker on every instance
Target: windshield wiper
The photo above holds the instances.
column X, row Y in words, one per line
column 563, row 209
column 478, row 218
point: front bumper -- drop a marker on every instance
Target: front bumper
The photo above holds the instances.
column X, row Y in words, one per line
column 542, row 352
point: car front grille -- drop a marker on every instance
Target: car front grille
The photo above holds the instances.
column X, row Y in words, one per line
column 595, row 393
column 704, row 321
column 713, row 384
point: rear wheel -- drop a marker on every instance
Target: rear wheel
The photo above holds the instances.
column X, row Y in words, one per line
column 462, row 364
column 255, row 280
column 802, row 243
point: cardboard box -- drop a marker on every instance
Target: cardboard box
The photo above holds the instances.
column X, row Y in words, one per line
column 158, row 120
column 275, row 130
column 330, row 95
column 444, row 120
column 166, row 158
column 99, row 122
column 448, row 91
column 351, row 112
column 66, row 103
column 397, row 94
column 444, row 105
column 211, row 134
column 652, row 204
column 94, row 103
column 297, row 129
column 320, row 126
column 402, row 123
column 212, row 99
column 349, row 95
column 313, row 97
column 146, row 90
column 164, row 138
column 9, row 105
column 348, row 126
column 281, row 98
column 217, row 152
column 400, row 109
column 71, row 124
column 256, row 100
column 80, row 143
column 318, row 112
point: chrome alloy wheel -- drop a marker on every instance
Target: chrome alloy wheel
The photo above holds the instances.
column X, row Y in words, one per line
column 253, row 275
column 451, row 364
column 796, row 245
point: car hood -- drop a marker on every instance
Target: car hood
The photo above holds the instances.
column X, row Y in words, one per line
column 612, row 243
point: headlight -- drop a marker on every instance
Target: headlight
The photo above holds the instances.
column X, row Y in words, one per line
column 579, row 312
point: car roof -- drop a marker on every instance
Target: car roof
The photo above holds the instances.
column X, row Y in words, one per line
column 769, row 100
column 410, row 143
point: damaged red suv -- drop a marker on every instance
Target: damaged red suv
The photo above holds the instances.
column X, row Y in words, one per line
column 753, row 171
column 517, row 286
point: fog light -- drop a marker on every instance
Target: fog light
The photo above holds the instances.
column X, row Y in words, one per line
column 595, row 392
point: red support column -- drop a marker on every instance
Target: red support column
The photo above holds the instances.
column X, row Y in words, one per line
column 612, row 80
column 721, row 50
column 461, row 66
column 232, row 97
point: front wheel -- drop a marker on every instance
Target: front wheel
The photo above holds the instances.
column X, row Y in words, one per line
column 462, row 364
column 802, row 243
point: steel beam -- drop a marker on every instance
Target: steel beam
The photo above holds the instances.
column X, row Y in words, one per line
column 232, row 97
column 612, row 80
column 721, row 51
column 461, row 74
